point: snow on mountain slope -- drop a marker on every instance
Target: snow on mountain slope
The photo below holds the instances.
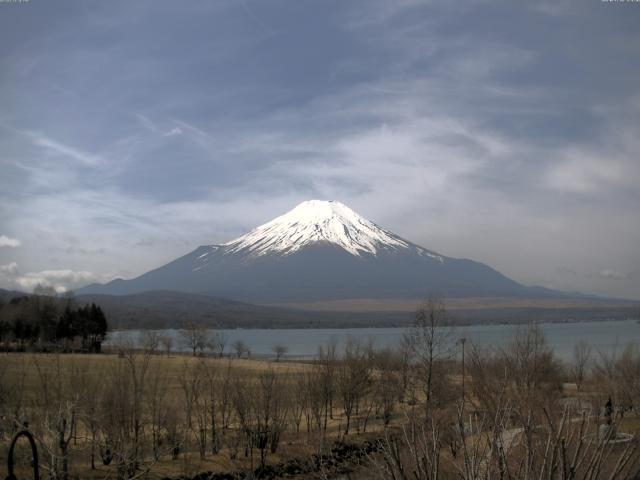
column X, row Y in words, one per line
column 315, row 221
column 320, row 251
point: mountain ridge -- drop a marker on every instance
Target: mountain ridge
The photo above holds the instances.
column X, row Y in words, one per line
column 173, row 309
column 321, row 250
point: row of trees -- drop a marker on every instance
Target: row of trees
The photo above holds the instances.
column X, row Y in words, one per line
column 200, row 341
column 507, row 413
column 43, row 321
column 130, row 412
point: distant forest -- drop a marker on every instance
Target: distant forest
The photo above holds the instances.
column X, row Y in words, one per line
column 170, row 309
column 44, row 322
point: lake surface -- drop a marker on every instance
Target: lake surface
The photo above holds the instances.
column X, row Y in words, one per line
column 607, row 337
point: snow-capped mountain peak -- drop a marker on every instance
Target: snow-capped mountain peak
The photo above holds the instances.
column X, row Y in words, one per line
column 315, row 221
column 319, row 251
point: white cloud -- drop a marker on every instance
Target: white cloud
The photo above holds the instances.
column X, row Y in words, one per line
column 9, row 242
column 613, row 274
column 152, row 127
column 173, row 132
column 581, row 172
column 147, row 123
column 380, row 11
column 61, row 280
column 59, row 149
column 554, row 8
column 10, row 269
column 433, row 129
column 608, row 166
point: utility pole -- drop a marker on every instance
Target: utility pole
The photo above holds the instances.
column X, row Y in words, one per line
column 462, row 341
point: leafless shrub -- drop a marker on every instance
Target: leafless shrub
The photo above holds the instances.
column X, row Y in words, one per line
column 217, row 342
column 166, row 341
column 353, row 380
column 194, row 338
column 279, row 350
column 150, row 341
column 617, row 376
column 240, row 348
column 429, row 341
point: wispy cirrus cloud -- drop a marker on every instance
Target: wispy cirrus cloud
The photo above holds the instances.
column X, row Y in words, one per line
column 50, row 147
column 55, row 148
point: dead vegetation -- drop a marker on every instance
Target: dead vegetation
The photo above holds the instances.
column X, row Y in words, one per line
column 417, row 410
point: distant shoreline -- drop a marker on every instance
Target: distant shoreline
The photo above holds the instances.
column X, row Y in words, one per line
column 605, row 336
column 382, row 327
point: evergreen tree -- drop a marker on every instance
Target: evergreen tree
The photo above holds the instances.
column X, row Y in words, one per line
column 48, row 320
column 97, row 327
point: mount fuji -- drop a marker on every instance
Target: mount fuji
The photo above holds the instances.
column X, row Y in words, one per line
column 320, row 251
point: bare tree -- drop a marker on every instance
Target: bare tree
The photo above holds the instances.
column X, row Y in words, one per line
column 166, row 341
column 59, row 410
column 629, row 372
column 216, row 343
column 149, row 341
column 316, row 411
column 581, row 357
column 298, row 395
column 327, row 362
column 353, row 379
column 125, row 390
column 533, row 372
column 156, row 408
column 524, row 373
column 562, row 448
column 196, row 394
column 88, row 382
column 225, row 397
column 387, row 383
column 279, row 350
column 240, row 348
column 510, row 430
column 269, row 413
column 174, row 433
column 12, row 398
column 65, row 426
column 194, row 338
column 215, row 401
column 429, row 342
column 188, row 384
column 616, row 375
column 243, row 394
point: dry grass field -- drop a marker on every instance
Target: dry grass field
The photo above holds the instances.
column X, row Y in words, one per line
column 133, row 414
column 42, row 384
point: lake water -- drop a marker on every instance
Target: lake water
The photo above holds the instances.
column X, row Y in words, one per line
column 607, row 337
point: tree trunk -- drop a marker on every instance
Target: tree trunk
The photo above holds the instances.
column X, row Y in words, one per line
column 93, row 450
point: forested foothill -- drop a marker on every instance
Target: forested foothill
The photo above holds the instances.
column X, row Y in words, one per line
column 162, row 309
column 45, row 322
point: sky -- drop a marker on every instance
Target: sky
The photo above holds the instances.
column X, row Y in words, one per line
column 132, row 132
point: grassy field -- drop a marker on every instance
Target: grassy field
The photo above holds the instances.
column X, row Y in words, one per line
column 41, row 384
column 144, row 406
